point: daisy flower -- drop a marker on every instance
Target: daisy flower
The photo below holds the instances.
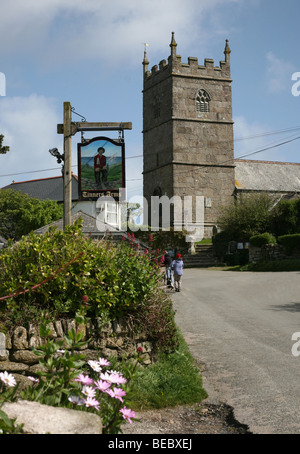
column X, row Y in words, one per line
column 127, row 414
column 101, row 385
column 103, row 362
column 8, row 379
column 105, row 376
column 88, row 391
column 95, row 365
column 117, row 378
column 76, row 400
column 117, row 393
column 33, row 379
column 84, row 379
column 91, row 402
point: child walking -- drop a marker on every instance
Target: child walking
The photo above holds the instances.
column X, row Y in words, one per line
column 177, row 267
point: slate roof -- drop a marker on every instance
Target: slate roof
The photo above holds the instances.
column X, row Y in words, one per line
column 45, row 188
column 90, row 226
column 267, row 176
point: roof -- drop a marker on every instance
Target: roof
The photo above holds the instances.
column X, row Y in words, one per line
column 91, row 225
column 267, row 176
column 45, row 188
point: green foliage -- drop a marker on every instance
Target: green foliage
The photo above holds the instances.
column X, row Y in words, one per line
column 3, row 149
column 245, row 217
column 290, row 242
column 262, row 239
column 66, row 273
column 59, row 368
column 220, row 243
column 285, row 217
column 240, row 257
column 59, row 380
column 163, row 239
column 20, row 214
column 173, row 380
column 8, row 425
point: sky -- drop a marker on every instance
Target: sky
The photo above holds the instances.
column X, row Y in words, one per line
column 90, row 54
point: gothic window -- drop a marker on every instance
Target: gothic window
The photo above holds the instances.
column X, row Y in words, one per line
column 202, row 101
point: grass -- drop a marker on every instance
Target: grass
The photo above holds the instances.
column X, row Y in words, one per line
column 173, row 380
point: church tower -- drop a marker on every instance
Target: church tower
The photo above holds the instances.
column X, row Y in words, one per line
column 188, row 131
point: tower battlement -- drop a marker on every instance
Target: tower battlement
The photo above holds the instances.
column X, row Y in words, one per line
column 174, row 66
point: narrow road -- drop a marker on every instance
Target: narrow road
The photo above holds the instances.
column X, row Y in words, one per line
column 240, row 327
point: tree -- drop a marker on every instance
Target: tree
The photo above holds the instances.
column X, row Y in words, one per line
column 20, row 213
column 3, row 149
column 247, row 216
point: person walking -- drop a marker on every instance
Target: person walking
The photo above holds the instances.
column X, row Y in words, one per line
column 169, row 274
column 177, row 267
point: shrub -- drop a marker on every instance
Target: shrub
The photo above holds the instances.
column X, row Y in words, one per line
column 262, row 239
column 285, row 217
column 247, row 216
column 290, row 242
column 55, row 270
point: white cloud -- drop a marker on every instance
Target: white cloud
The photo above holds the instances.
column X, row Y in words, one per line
column 29, row 128
column 278, row 73
column 63, row 30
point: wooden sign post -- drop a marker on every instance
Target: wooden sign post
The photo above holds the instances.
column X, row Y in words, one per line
column 69, row 129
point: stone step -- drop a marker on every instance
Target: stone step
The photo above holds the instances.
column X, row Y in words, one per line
column 203, row 257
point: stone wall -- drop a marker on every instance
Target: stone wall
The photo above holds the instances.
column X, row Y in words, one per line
column 270, row 252
column 117, row 339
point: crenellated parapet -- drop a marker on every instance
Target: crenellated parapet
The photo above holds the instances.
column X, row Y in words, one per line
column 174, row 65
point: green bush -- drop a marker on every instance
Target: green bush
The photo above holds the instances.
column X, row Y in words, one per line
column 220, row 244
column 285, row 217
column 55, row 270
column 240, row 257
column 262, row 239
column 290, row 242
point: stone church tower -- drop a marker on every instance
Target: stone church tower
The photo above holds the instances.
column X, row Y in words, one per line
column 188, row 132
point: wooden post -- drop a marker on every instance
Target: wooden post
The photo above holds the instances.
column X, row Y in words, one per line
column 67, row 164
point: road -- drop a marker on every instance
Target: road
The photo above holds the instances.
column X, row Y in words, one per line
column 240, row 326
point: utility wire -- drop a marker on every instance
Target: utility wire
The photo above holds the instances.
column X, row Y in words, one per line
column 235, row 140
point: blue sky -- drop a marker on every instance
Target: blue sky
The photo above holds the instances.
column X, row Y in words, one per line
column 90, row 53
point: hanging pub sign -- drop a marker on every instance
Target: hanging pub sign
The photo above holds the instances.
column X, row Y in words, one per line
column 101, row 168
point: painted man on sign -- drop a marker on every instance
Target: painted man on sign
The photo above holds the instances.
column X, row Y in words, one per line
column 100, row 168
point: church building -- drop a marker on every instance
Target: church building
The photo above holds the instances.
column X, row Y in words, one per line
column 188, row 139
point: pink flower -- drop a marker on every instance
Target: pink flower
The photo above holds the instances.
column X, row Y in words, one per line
column 117, row 378
column 33, row 379
column 117, row 393
column 102, row 385
column 84, row 299
column 91, row 402
column 127, row 414
column 139, row 349
column 105, row 376
column 103, row 362
column 84, row 379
